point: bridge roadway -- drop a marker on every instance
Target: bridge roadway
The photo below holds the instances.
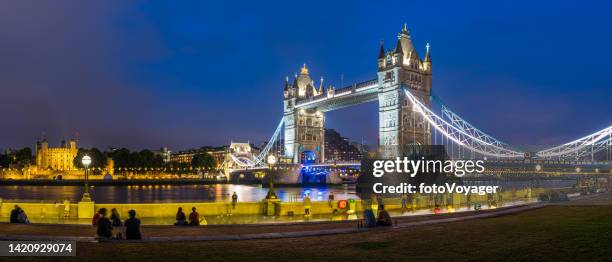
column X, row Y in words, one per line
column 348, row 96
column 546, row 167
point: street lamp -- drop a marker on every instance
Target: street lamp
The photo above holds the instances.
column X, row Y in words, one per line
column 86, row 161
column 271, row 159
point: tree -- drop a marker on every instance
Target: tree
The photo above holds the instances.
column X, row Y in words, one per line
column 205, row 161
column 5, row 161
column 24, row 157
column 77, row 159
column 98, row 158
column 135, row 160
column 121, row 157
column 150, row 159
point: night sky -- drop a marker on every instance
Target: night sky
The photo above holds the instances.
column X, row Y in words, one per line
column 146, row 74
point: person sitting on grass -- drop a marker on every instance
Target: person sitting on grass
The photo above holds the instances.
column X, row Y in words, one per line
column 15, row 215
column 115, row 218
column 96, row 217
column 384, row 219
column 181, row 219
column 132, row 226
column 194, row 217
column 22, row 218
column 368, row 217
column 105, row 227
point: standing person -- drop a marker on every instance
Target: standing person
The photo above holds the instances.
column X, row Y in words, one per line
column 22, row 218
column 490, row 199
column 404, row 201
column 307, row 204
column 115, row 218
column 234, row 200
column 194, row 217
column 66, row 208
column 469, row 201
column 132, row 226
column 380, row 201
column 330, row 199
column 412, row 201
column 181, row 219
column 105, row 226
column 14, row 214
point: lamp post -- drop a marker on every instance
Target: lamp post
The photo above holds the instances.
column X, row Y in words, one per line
column 86, row 161
column 271, row 159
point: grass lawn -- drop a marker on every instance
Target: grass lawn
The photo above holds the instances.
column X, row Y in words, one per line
column 578, row 233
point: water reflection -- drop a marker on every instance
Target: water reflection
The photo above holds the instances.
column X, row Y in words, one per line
column 171, row 193
column 216, row 192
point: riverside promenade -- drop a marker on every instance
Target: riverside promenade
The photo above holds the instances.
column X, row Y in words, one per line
column 250, row 212
column 153, row 233
column 565, row 231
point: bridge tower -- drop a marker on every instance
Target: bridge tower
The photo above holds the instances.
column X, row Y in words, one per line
column 402, row 68
column 304, row 128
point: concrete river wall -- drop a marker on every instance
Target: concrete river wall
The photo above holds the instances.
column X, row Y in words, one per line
column 39, row 211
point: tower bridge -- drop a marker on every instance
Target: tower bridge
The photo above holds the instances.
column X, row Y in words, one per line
column 398, row 69
column 407, row 116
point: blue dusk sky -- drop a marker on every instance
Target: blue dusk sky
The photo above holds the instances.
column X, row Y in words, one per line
column 181, row 74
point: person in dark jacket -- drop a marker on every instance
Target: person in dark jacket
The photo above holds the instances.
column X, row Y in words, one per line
column 15, row 215
column 181, row 219
column 132, row 226
column 330, row 199
column 115, row 218
column 384, row 219
column 234, row 200
column 194, row 217
column 105, row 226
column 22, row 217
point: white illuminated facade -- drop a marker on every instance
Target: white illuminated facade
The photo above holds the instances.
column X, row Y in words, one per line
column 399, row 123
column 304, row 128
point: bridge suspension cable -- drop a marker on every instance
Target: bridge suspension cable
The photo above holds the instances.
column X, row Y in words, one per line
column 242, row 161
column 470, row 140
column 466, row 127
column 590, row 144
column 259, row 159
column 245, row 161
column 594, row 149
column 461, row 135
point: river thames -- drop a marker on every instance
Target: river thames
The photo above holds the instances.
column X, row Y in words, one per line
column 214, row 192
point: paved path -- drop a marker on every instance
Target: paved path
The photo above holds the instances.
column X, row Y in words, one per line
column 212, row 233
